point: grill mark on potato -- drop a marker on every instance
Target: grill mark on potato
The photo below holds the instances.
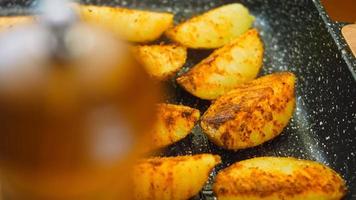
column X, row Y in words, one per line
column 225, row 114
column 225, row 138
column 187, row 114
column 187, row 81
column 155, row 163
column 169, row 120
column 209, row 60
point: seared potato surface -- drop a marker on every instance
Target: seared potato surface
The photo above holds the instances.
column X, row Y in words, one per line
column 251, row 114
column 173, row 123
column 161, row 61
column 272, row 178
column 172, row 178
column 226, row 68
column 214, row 28
column 129, row 24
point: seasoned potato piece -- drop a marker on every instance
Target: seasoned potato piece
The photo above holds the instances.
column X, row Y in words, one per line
column 132, row 25
column 268, row 178
column 174, row 122
column 226, row 68
column 161, row 61
column 214, row 28
column 251, row 114
column 172, row 178
column 9, row 22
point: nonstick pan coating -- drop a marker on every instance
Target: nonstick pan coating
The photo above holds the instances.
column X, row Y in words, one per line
column 296, row 39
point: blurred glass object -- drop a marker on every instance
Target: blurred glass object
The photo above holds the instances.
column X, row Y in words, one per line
column 73, row 109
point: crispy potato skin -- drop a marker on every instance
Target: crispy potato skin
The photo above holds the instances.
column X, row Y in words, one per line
column 271, row 178
column 132, row 25
column 226, row 68
column 161, row 61
column 251, row 114
column 12, row 21
column 174, row 122
column 212, row 29
column 172, row 178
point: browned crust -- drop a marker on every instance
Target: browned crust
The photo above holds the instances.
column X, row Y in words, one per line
column 312, row 177
column 171, row 32
column 196, row 77
column 172, row 118
column 175, row 54
column 157, row 161
column 249, row 108
column 170, row 114
column 161, row 180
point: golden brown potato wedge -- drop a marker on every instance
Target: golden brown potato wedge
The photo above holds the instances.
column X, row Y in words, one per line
column 251, row 114
column 226, row 68
column 161, row 61
column 174, row 122
column 12, row 21
column 268, row 178
column 172, row 178
column 214, row 28
column 132, row 25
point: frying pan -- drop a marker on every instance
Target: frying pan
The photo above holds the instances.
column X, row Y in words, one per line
column 298, row 37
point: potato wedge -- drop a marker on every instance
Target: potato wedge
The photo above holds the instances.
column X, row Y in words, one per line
column 226, row 68
column 268, row 178
column 161, row 61
column 131, row 25
column 214, row 28
column 172, row 178
column 11, row 21
column 174, row 122
column 251, row 114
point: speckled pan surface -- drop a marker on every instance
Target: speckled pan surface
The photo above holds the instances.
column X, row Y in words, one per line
column 335, row 31
column 298, row 37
